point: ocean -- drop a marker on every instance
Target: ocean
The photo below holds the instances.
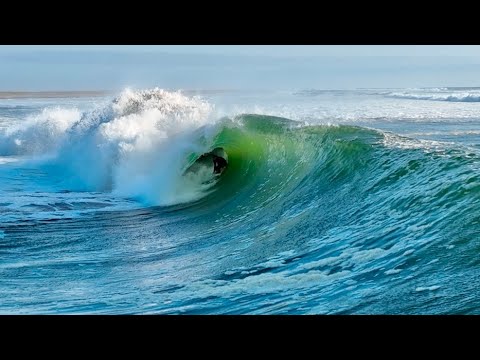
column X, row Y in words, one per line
column 361, row 201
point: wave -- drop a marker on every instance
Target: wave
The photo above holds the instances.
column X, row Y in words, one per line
column 133, row 147
column 271, row 158
column 39, row 133
column 317, row 92
column 140, row 145
column 437, row 96
column 326, row 211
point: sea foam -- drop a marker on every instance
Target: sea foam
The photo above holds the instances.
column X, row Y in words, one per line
column 135, row 146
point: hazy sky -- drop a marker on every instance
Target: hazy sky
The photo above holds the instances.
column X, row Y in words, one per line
column 90, row 67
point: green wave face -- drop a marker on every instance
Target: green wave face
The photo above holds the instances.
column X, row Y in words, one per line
column 355, row 205
column 297, row 182
column 273, row 158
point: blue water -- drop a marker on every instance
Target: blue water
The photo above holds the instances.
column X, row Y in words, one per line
column 333, row 202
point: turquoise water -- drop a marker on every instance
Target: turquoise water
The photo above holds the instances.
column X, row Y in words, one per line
column 319, row 214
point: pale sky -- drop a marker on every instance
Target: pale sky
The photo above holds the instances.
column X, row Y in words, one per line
column 272, row 50
column 91, row 67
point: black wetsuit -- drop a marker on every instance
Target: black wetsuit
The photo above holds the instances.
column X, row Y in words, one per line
column 219, row 164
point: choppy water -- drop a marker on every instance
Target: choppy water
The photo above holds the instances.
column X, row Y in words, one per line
column 360, row 201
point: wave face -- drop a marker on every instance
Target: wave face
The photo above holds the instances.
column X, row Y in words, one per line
column 305, row 218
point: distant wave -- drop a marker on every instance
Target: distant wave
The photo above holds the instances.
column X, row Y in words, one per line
column 317, row 92
column 449, row 96
column 433, row 94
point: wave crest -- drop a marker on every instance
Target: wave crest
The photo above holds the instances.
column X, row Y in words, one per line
column 134, row 146
column 437, row 96
column 40, row 133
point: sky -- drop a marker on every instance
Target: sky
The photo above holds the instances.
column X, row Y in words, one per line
column 282, row 67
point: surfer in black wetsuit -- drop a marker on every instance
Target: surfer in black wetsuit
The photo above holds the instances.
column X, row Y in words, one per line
column 219, row 164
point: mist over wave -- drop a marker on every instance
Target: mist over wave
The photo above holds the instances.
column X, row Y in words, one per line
column 135, row 146
column 39, row 133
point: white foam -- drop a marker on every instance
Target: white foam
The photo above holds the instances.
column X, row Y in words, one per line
column 321, row 262
column 472, row 96
column 348, row 107
column 140, row 149
column 392, row 271
column 39, row 133
column 428, row 288
column 153, row 131
column 437, row 133
column 135, row 146
column 395, row 141
column 265, row 283
column 8, row 159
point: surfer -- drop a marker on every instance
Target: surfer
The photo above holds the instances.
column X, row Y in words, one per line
column 217, row 157
column 219, row 164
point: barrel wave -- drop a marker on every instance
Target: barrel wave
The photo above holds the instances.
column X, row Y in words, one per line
column 306, row 218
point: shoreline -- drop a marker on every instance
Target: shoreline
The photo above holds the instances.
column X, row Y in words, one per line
column 51, row 94
column 96, row 93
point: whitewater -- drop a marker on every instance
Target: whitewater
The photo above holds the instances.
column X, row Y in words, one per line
column 359, row 201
